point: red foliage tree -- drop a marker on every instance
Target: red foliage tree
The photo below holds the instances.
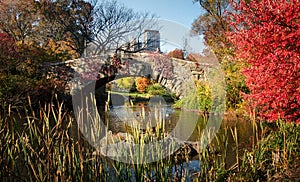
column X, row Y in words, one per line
column 177, row 53
column 266, row 34
column 8, row 52
column 7, row 46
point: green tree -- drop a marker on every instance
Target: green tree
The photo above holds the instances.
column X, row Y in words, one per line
column 213, row 24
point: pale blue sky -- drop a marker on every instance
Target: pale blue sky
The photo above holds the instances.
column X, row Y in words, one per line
column 180, row 11
column 176, row 17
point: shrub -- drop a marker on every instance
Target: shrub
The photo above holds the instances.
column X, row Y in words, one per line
column 156, row 89
column 126, row 83
column 199, row 98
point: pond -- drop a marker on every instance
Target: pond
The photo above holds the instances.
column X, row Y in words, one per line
column 57, row 132
column 148, row 114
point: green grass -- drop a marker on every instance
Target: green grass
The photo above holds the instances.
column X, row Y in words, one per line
column 134, row 94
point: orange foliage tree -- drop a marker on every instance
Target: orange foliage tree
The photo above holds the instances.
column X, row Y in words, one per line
column 177, row 53
column 142, row 83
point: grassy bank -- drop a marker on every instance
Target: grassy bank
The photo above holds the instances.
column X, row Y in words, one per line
column 133, row 94
column 169, row 98
column 274, row 155
column 46, row 145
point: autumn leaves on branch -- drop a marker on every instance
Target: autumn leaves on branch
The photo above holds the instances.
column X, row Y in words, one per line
column 266, row 34
column 261, row 40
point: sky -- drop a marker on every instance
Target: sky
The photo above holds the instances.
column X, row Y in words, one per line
column 180, row 11
column 176, row 18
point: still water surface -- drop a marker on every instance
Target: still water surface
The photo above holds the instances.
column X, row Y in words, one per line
column 146, row 115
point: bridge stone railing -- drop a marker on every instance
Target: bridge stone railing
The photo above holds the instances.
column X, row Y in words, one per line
column 173, row 73
column 176, row 74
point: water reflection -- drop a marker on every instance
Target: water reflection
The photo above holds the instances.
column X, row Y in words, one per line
column 151, row 113
column 147, row 115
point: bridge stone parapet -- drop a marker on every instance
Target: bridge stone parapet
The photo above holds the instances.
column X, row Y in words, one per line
column 171, row 73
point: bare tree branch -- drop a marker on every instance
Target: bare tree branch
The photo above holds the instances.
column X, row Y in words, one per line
column 115, row 24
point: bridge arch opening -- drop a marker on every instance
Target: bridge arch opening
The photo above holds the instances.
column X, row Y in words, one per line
column 133, row 89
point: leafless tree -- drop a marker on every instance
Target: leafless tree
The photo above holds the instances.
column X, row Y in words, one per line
column 116, row 25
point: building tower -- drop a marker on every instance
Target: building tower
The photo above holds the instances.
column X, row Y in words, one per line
column 152, row 40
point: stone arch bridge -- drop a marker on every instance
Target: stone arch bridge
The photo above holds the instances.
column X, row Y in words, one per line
column 171, row 73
